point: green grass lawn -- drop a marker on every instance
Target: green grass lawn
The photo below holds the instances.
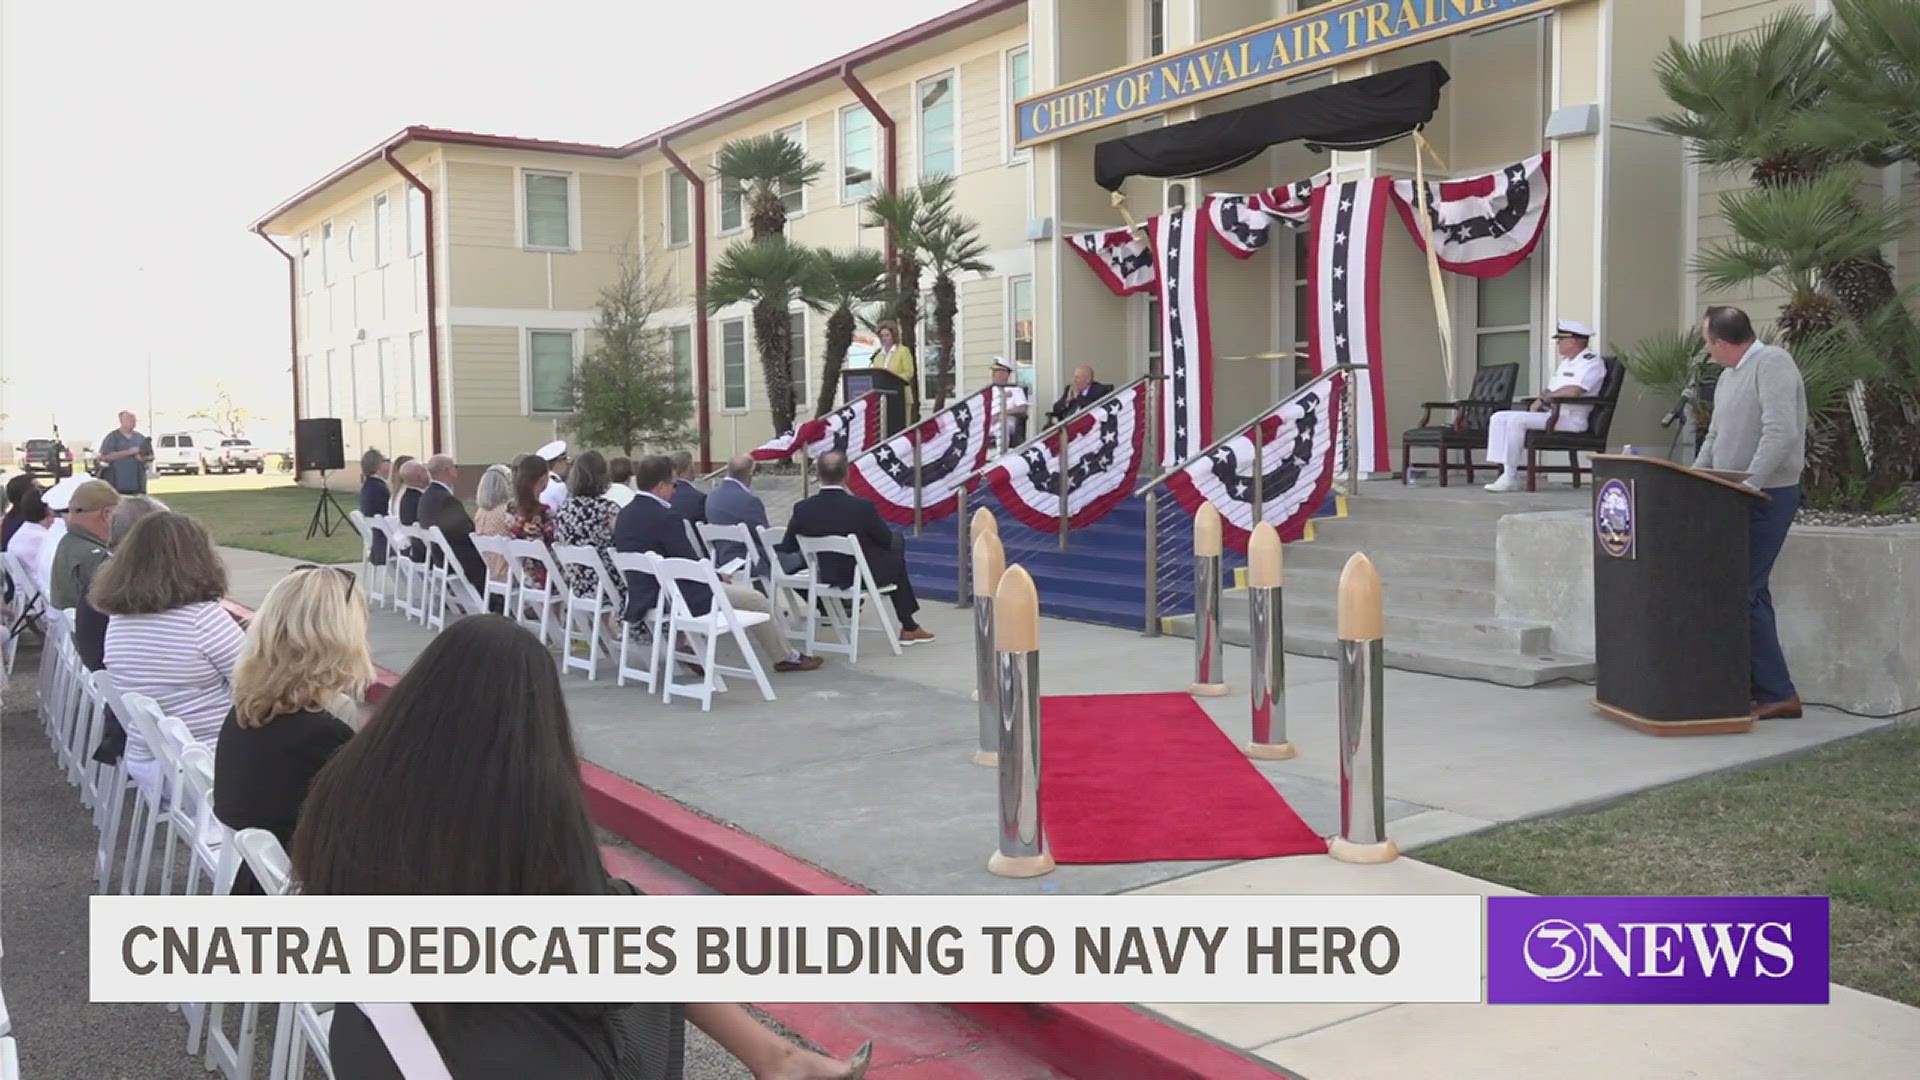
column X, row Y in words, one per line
column 1842, row 822
column 261, row 518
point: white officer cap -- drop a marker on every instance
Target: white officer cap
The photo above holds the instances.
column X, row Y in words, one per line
column 553, row 451
column 60, row 495
column 1570, row 328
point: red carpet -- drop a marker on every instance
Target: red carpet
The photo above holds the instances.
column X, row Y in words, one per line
column 1149, row 777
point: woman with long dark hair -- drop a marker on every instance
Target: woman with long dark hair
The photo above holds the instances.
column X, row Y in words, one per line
column 527, row 517
column 465, row 783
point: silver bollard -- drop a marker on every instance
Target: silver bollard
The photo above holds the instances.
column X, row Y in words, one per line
column 988, row 563
column 1268, row 681
column 1022, row 850
column 1209, row 679
column 1363, row 795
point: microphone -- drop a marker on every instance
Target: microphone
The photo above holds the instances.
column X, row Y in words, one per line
column 1679, row 409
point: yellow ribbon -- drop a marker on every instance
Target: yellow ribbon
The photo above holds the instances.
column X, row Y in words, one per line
column 1422, row 149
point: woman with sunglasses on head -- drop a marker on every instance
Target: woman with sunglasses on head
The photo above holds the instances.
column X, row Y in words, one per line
column 295, row 696
column 465, row 783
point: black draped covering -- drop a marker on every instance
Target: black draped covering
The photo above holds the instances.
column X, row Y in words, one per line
column 1354, row 115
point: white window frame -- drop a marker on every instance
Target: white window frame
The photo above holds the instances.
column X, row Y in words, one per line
column 693, row 383
column 416, row 219
column 306, row 262
column 352, row 245
column 1008, row 126
column 331, row 411
column 307, row 389
column 873, row 169
column 798, row 346
column 667, row 180
column 798, row 133
column 326, row 252
column 420, row 372
column 952, row 75
column 573, row 209
column 389, row 386
column 1151, row 26
column 920, row 369
column 382, row 206
column 362, row 380
column 526, row 367
column 1013, row 333
column 746, row 366
column 1532, row 373
column 720, row 193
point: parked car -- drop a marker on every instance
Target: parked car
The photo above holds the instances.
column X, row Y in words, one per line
column 176, row 453
column 232, row 455
column 46, row 457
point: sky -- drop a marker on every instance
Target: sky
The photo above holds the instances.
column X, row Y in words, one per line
column 137, row 141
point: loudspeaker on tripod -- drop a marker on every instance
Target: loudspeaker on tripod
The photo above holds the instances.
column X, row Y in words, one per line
column 319, row 446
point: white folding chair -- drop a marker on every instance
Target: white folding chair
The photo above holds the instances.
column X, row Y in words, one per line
column 786, row 592
column 694, row 538
column 207, row 844
column 143, row 718
column 721, row 620
column 29, row 607
column 863, row 592
column 500, row 587
column 370, row 572
column 115, row 785
column 301, row 1026
column 543, row 603
column 67, row 704
column 586, row 614
column 641, row 562
column 731, row 534
column 57, row 637
column 9, row 1059
column 453, row 587
column 179, row 814
column 399, row 567
column 406, row 1039
column 93, row 728
column 233, row 1058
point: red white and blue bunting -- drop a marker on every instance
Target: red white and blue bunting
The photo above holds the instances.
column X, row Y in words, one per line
column 1298, row 457
column 1483, row 226
column 850, row 429
column 1121, row 258
column 1104, row 450
column 1186, row 333
column 1343, row 284
column 953, row 445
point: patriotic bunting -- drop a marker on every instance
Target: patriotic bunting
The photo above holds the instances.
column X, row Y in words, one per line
column 1104, row 450
column 1298, row 459
column 953, row 444
column 1343, row 281
column 849, row 429
column 1486, row 225
column 1121, row 258
column 1186, row 336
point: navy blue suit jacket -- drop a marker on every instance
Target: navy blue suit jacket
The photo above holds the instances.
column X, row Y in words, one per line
column 375, row 497
column 838, row 512
column 409, row 514
column 441, row 507
column 645, row 525
column 734, row 504
column 689, row 501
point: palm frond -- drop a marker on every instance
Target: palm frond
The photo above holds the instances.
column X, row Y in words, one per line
column 849, row 279
column 896, row 211
column 1874, row 70
column 1738, row 97
column 1832, row 360
column 1668, row 362
column 1791, row 233
column 760, row 271
column 769, row 160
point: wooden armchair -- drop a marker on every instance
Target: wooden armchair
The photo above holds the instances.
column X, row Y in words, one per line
column 1593, row 440
column 1491, row 392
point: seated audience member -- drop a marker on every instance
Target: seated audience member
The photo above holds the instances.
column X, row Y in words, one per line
column 375, row 497
column 835, row 511
column 84, row 547
column 413, row 487
column 649, row 524
column 167, row 635
column 90, row 624
column 620, row 481
column 466, row 782
column 528, row 517
column 59, row 498
column 732, row 502
column 1010, row 408
column 1084, row 392
column 442, row 509
column 688, row 500
column 1580, row 374
column 295, row 695
column 586, row 520
column 31, row 534
column 555, row 491
column 17, row 488
column 490, row 500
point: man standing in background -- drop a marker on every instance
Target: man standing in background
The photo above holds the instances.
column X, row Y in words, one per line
column 1759, row 428
column 125, row 453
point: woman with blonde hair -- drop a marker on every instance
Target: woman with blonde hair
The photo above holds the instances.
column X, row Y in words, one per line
column 491, row 505
column 295, row 695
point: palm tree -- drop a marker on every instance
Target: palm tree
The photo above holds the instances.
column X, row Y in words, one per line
column 952, row 245
column 899, row 213
column 765, row 166
column 844, row 280
column 773, row 275
column 1873, row 69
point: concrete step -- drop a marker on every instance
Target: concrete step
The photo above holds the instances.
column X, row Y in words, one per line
column 1457, row 504
column 1409, row 625
column 1436, row 566
column 1321, row 586
column 1380, row 531
column 1485, row 665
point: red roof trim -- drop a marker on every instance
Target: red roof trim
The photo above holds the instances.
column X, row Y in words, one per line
column 831, row 69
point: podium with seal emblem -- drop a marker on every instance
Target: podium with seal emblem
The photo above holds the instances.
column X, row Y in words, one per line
column 1672, row 653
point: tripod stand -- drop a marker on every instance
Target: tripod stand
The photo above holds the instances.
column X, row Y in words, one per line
column 327, row 515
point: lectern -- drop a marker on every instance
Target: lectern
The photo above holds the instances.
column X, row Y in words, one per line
column 891, row 388
column 1671, row 650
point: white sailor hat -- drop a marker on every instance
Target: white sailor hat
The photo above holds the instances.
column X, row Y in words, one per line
column 61, row 494
column 1002, row 363
column 553, row 451
column 1570, row 328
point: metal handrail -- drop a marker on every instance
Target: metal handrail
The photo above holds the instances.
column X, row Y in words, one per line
column 1053, row 428
column 927, row 419
column 1347, row 405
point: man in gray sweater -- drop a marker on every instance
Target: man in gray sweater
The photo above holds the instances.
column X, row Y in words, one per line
column 1760, row 428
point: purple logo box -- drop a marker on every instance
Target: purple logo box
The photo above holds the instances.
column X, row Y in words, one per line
column 1657, row 950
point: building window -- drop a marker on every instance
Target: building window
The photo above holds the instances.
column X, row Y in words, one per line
column 326, row 252
column 306, row 262
column 416, row 221
column 1302, row 309
column 550, row 371
column 1020, row 322
column 353, row 245
column 733, row 365
column 732, row 202
column 382, row 221
column 366, row 384
column 939, row 155
column 549, row 211
column 681, row 342
column 310, row 388
column 1019, row 85
column 794, row 198
column 392, row 386
column 1156, row 27
column 326, row 394
column 857, row 151
column 936, row 369
column 679, row 214
column 797, row 360
column 422, row 383
column 1503, row 323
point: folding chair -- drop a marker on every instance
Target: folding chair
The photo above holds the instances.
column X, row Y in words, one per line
column 546, row 600
column 592, row 610
column 179, row 814
column 301, row 1026
column 415, row 580
column 731, row 534
column 406, row 1040
column 114, row 785
column 143, row 717
column 93, row 728
column 233, row 1058
column 453, row 587
column 9, row 1059
column 500, row 587
column 370, row 572
column 720, row 620
column 787, row 592
column 28, row 605
column 863, row 591
column 640, row 562
column 399, row 567
column 53, row 684
column 694, row 538
column 207, row 844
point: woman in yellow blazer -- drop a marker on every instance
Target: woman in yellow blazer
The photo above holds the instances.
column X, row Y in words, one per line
column 897, row 360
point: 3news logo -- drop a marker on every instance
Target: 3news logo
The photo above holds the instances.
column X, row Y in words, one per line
column 1647, row 950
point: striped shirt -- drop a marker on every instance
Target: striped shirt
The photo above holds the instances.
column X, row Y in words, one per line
column 184, row 660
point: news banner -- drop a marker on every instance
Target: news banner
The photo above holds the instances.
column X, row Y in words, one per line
column 1176, row 949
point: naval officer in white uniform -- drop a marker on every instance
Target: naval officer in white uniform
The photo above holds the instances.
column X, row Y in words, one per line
column 1010, row 408
column 554, row 495
column 1580, row 374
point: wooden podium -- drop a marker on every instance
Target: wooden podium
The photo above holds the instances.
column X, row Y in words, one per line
column 891, row 388
column 1672, row 652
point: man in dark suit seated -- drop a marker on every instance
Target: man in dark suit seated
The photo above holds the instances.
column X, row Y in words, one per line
column 1081, row 394
column 413, row 484
column 650, row 524
column 688, row 500
column 732, row 502
column 375, row 497
column 835, row 511
column 439, row 506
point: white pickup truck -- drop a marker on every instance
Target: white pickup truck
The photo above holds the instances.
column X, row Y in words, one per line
column 232, row 455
